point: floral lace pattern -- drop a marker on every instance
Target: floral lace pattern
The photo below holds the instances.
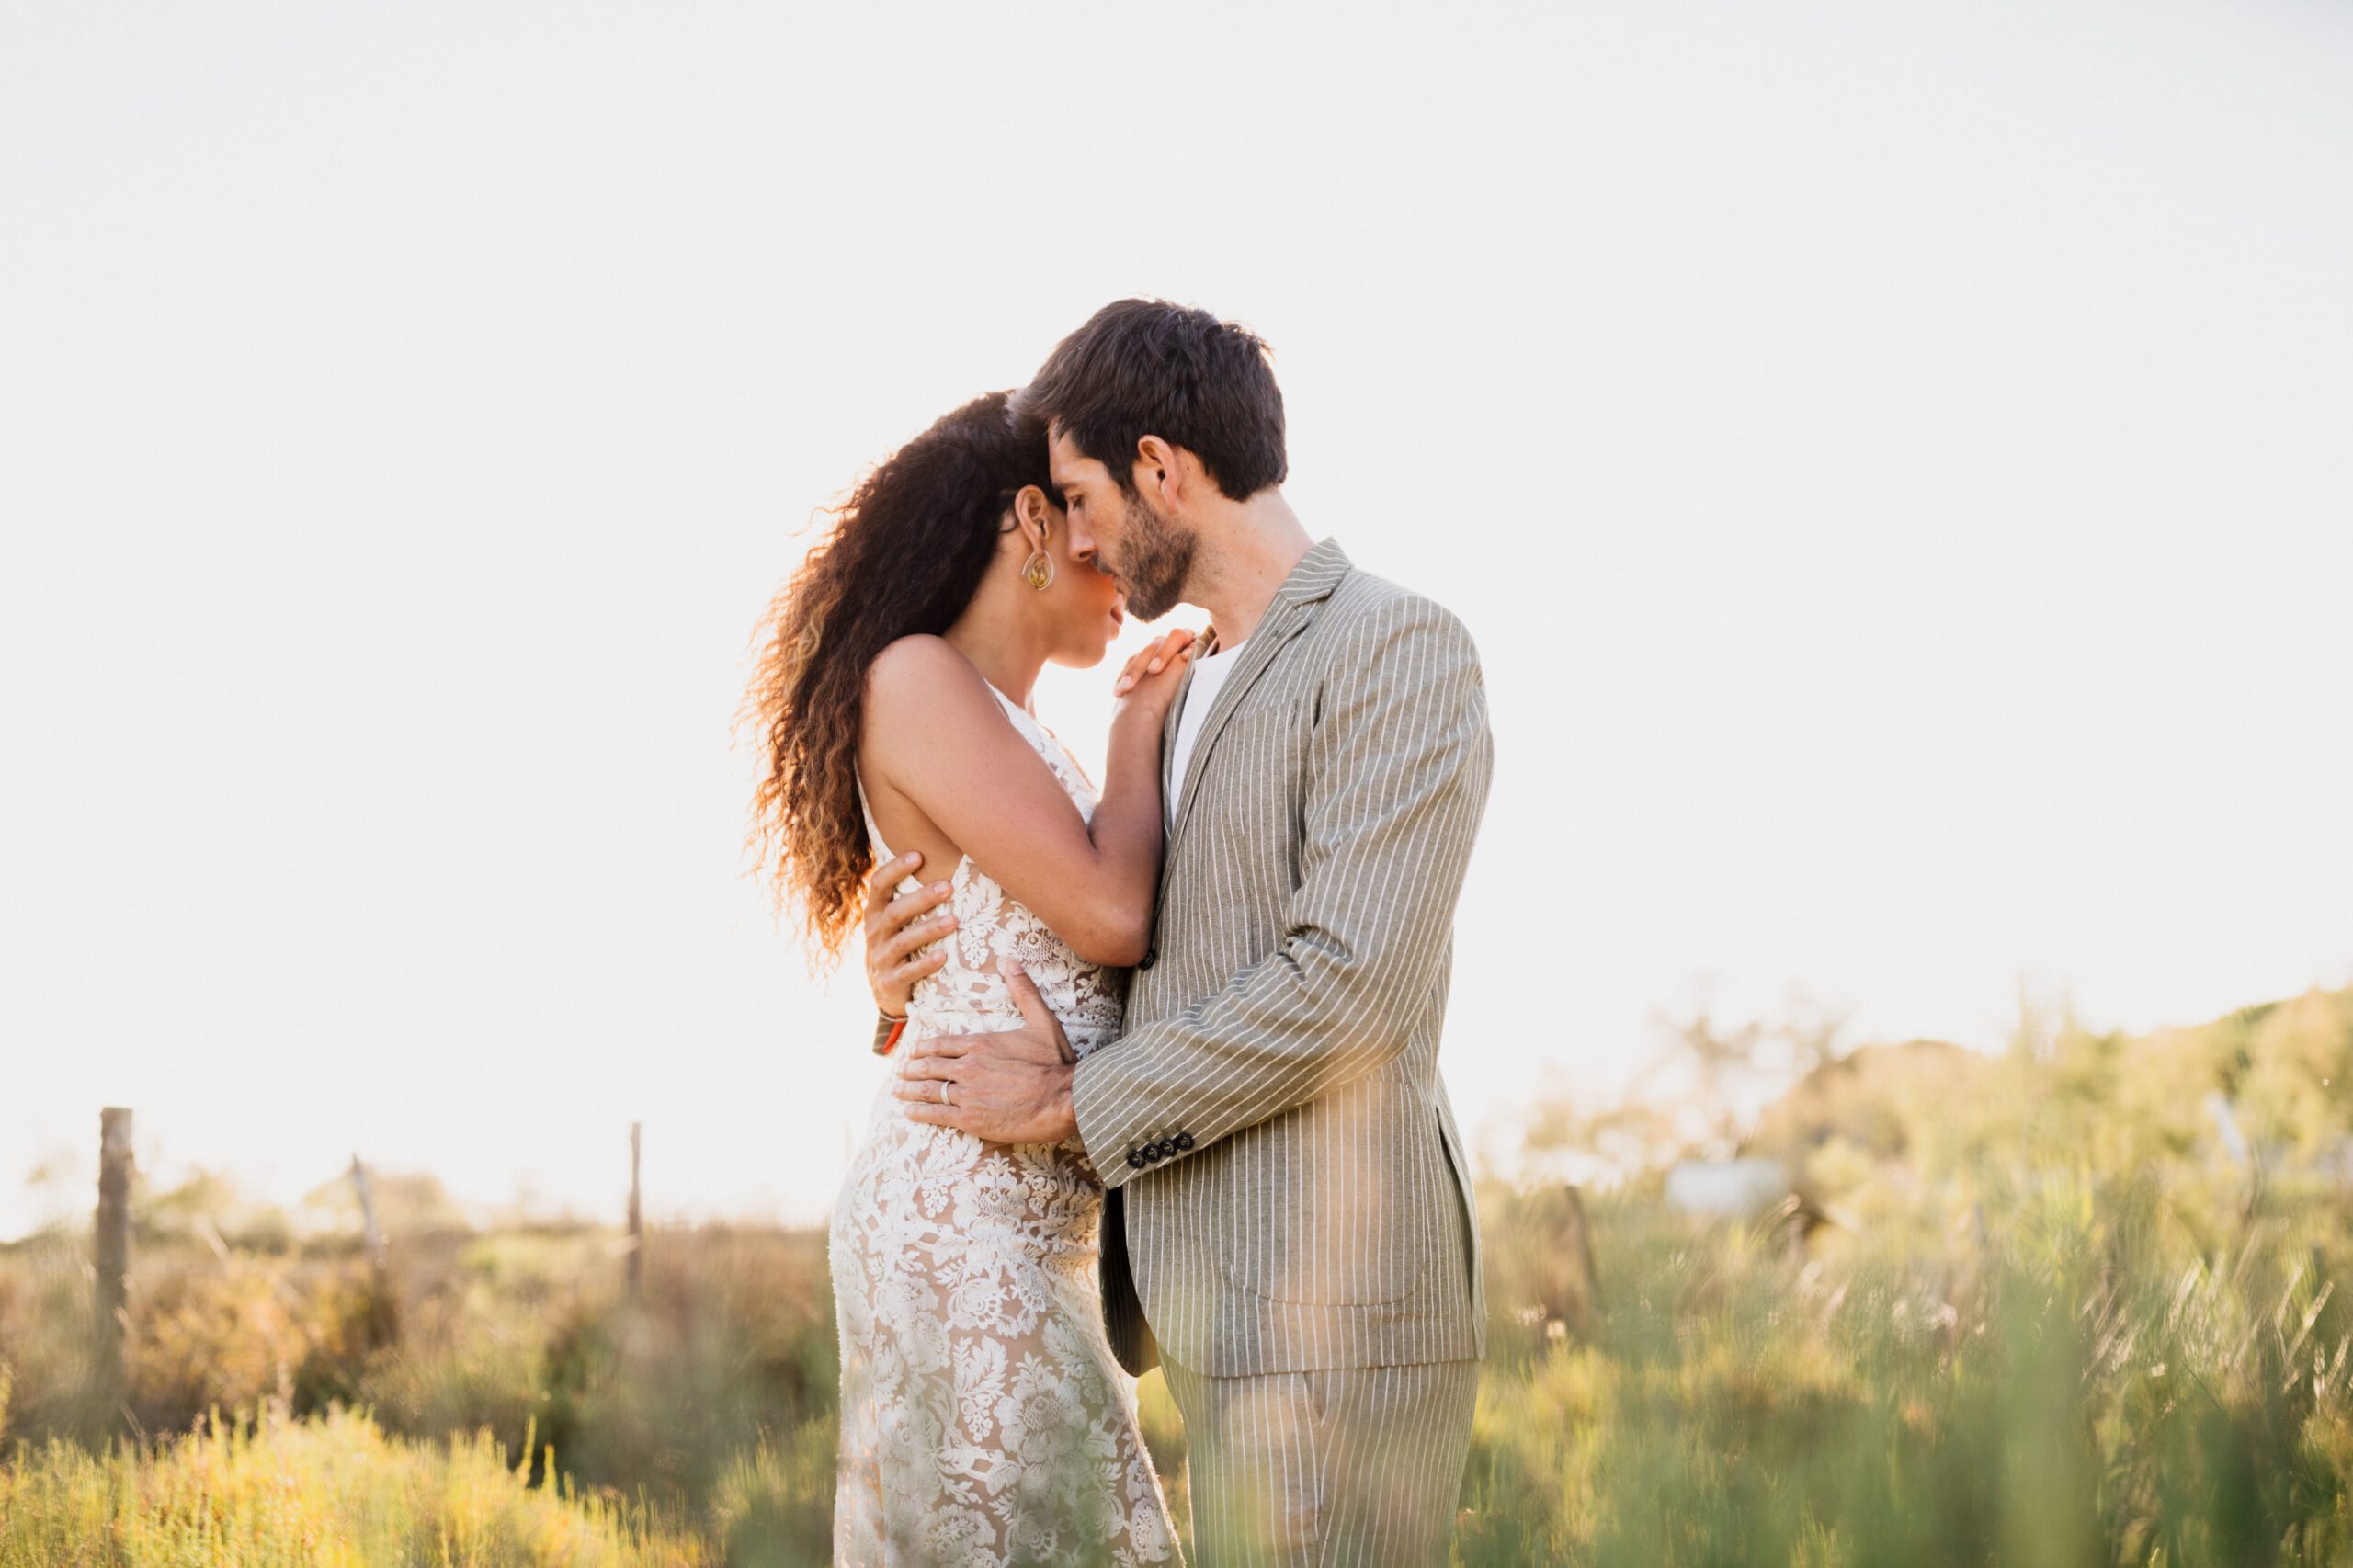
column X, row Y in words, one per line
column 983, row 1420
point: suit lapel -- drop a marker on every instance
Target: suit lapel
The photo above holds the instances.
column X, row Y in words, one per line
column 1309, row 582
column 1169, row 731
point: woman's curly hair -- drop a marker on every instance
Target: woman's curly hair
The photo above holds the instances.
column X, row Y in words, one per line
column 904, row 555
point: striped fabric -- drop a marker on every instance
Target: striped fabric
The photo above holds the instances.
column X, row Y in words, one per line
column 1342, row 1466
column 1284, row 1167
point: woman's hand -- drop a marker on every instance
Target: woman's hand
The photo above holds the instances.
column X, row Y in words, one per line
column 1149, row 681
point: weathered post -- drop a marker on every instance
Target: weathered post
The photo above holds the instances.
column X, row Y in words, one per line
column 382, row 1323
column 1576, row 1301
column 113, row 1247
column 636, row 1217
column 367, row 1191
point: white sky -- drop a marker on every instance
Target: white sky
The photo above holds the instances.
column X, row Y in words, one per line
column 1893, row 458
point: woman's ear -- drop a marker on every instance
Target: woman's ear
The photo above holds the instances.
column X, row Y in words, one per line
column 1031, row 515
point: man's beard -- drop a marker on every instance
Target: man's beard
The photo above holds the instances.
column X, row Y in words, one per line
column 1155, row 557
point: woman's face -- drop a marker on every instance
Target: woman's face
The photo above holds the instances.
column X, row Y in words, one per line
column 1081, row 608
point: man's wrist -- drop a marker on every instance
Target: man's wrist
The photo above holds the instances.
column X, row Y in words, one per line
column 1065, row 1111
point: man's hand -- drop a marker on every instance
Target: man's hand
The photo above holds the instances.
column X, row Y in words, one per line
column 1012, row 1088
column 898, row 929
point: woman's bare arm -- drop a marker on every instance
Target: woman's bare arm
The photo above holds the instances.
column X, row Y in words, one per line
column 937, row 746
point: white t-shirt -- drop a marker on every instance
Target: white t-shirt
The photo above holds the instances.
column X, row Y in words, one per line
column 1209, row 678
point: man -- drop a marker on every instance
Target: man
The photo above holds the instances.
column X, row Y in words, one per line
column 1287, row 1198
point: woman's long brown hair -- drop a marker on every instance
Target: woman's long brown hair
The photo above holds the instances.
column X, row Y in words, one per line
column 904, row 555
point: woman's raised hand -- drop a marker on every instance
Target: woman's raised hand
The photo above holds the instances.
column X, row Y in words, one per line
column 1153, row 675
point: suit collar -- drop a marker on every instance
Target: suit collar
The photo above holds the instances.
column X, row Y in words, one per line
column 1310, row 581
column 1309, row 584
column 1168, row 737
column 1318, row 573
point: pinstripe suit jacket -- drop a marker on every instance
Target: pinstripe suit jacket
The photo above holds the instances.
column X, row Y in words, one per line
column 1287, row 1187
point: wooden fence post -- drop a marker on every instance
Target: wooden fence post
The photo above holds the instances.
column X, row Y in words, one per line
column 1580, row 1306
column 375, row 1236
column 381, row 1325
column 113, row 1247
column 636, row 1217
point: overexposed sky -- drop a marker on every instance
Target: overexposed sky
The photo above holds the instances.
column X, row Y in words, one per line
column 1893, row 458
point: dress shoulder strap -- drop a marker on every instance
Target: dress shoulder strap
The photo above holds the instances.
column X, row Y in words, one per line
column 873, row 834
column 1019, row 715
column 1046, row 741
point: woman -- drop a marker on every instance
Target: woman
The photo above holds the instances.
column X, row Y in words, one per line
column 984, row 1418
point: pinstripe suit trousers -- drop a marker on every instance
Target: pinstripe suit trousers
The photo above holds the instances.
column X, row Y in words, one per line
column 1344, row 1466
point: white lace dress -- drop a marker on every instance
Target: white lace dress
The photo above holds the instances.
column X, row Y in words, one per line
column 983, row 1419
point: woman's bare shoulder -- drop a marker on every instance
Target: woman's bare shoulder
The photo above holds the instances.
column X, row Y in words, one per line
column 921, row 681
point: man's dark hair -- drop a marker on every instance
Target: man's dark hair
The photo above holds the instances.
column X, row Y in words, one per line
column 1147, row 367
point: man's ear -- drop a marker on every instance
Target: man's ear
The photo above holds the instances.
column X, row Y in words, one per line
column 1158, row 471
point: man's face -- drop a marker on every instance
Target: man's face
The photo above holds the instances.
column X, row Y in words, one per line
column 1149, row 552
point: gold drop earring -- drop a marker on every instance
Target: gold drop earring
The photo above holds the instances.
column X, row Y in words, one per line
column 1038, row 570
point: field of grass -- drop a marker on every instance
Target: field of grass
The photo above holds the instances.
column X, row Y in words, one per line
column 2037, row 1310
column 334, row 1490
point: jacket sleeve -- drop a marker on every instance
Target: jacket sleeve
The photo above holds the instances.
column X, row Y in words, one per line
column 1397, row 775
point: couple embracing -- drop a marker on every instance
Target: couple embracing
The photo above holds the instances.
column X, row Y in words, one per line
column 1167, row 1085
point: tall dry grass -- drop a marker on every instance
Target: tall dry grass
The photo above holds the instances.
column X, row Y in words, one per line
column 2031, row 1310
column 330, row 1493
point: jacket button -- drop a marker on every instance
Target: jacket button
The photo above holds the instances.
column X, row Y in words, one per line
column 1151, row 957
column 1136, row 1160
column 1184, row 1140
